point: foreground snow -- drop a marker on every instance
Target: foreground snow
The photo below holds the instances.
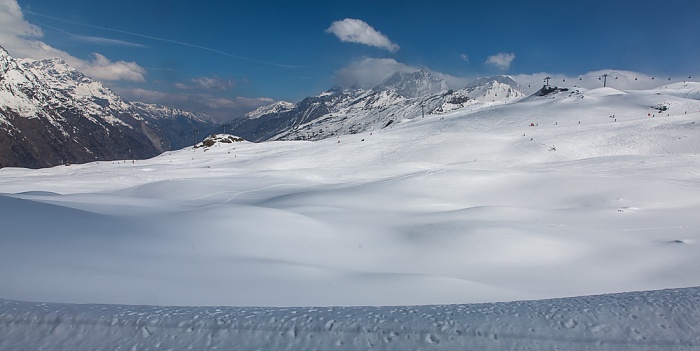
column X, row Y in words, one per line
column 657, row 320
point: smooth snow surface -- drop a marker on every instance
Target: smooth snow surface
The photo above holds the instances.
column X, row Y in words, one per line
column 658, row 320
column 600, row 195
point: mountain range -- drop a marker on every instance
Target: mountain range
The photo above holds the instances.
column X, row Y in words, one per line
column 51, row 114
column 401, row 96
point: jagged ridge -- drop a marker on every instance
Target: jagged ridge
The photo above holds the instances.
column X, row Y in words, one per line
column 346, row 111
column 51, row 114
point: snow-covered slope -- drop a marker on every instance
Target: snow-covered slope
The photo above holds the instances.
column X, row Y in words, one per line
column 658, row 320
column 576, row 192
column 52, row 114
column 501, row 89
column 276, row 107
column 687, row 90
column 573, row 193
column 413, row 85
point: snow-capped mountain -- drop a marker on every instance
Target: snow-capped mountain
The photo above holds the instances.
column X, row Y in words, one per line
column 276, row 107
column 400, row 97
column 51, row 114
column 498, row 88
column 413, row 85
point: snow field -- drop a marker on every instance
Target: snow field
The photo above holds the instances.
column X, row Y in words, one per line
column 468, row 207
column 455, row 208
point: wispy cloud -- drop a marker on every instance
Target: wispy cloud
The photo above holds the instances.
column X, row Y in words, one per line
column 208, row 83
column 165, row 40
column 20, row 39
column 109, row 42
column 464, row 57
column 102, row 68
column 95, row 40
column 358, row 31
column 501, row 60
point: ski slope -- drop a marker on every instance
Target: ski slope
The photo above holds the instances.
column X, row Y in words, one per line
column 582, row 192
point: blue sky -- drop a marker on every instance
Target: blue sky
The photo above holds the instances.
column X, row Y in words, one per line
column 227, row 57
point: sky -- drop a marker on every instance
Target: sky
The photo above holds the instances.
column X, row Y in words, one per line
column 225, row 58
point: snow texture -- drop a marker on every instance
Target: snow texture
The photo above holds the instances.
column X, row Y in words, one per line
column 656, row 320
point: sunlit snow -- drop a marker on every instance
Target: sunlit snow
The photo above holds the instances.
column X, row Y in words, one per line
column 455, row 208
column 577, row 193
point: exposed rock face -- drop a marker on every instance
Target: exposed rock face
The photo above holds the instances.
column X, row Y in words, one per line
column 52, row 114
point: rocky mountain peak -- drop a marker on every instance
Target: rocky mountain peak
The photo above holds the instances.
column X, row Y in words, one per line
column 414, row 84
column 275, row 107
column 51, row 113
column 502, row 79
column 7, row 62
column 401, row 96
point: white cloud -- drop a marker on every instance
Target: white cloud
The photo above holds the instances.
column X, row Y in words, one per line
column 108, row 41
column 369, row 72
column 501, row 60
column 101, row 68
column 13, row 22
column 455, row 82
column 20, row 39
column 464, row 57
column 358, row 31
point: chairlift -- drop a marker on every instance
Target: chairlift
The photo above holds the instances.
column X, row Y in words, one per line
column 652, row 78
column 635, row 78
column 563, row 80
column 669, row 78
